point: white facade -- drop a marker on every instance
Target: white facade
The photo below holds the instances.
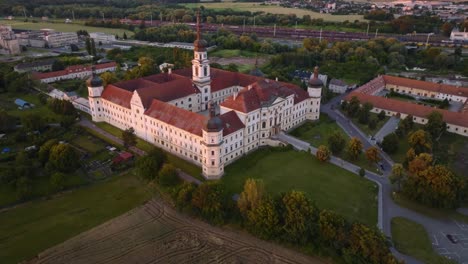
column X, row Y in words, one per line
column 60, row 39
column 211, row 143
column 102, row 37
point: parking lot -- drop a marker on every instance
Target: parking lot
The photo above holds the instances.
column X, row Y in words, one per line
column 452, row 243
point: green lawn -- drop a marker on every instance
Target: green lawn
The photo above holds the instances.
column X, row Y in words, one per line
column 329, row 186
column 443, row 214
column 33, row 227
column 232, row 53
column 182, row 164
column 7, row 102
column 411, row 238
column 62, row 27
column 88, row 143
column 365, row 128
column 273, row 9
column 317, row 132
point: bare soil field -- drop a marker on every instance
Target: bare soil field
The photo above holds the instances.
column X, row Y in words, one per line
column 155, row 233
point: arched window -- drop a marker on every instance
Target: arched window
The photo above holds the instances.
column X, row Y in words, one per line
column 205, row 71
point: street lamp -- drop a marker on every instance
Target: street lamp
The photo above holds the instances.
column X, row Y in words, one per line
column 427, row 40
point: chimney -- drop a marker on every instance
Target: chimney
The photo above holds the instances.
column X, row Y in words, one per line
column 169, row 70
column 234, row 96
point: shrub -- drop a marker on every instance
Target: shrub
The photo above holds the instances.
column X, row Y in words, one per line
column 168, row 176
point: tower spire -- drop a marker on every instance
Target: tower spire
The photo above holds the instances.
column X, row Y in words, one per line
column 198, row 24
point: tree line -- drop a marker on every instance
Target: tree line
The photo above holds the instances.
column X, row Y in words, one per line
column 290, row 218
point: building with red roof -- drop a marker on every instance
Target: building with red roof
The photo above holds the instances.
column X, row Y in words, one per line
column 167, row 110
column 74, row 72
column 457, row 122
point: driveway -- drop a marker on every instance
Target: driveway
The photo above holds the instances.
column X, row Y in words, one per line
column 387, row 128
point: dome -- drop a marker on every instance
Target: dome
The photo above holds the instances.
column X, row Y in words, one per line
column 315, row 83
column 200, row 44
column 94, row 81
column 214, row 124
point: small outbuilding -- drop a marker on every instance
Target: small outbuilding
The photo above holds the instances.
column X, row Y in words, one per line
column 22, row 104
column 338, row 86
column 123, row 156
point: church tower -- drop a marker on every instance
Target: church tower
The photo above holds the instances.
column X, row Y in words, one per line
column 201, row 67
column 314, row 89
column 95, row 88
column 213, row 167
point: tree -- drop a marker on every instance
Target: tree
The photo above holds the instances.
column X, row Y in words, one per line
column 419, row 163
column 323, row 153
column 333, row 229
column 447, row 29
column 398, row 174
column 353, row 107
column 58, row 65
column 184, row 196
column 251, row 196
column 434, row 186
column 264, row 220
column 372, row 123
column 23, row 187
column 381, row 115
column 57, row 181
column 354, row 148
column 129, row 137
column 93, row 48
column 336, row 142
column 435, row 124
column 364, row 113
column 209, row 200
column 148, row 166
column 420, row 141
column 7, row 122
column 168, row 175
column 405, row 126
column 108, row 78
column 124, row 35
column 298, row 215
column 44, row 150
column 63, row 157
column 372, row 155
column 88, row 45
column 32, row 121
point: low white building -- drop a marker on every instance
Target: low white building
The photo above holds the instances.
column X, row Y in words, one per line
column 102, row 37
column 459, row 36
column 61, row 39
column 337, row 86
column 74, row 72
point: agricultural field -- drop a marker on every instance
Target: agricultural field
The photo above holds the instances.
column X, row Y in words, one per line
column 30, row 228
column 273, row 9
column 155, row 233
column 326, row 184
column 63, row 27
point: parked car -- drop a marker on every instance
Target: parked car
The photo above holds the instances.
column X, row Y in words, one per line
column 452, row 239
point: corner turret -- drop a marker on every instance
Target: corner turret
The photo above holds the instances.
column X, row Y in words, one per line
column 314, row 86
column 213, row 167
column 95, row 89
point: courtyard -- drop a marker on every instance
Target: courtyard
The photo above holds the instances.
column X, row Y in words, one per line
column 329, row 186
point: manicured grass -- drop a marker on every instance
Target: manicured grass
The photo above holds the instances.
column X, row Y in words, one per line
column 444, row 214
column 88, row 143
column 7, row 102
column 329, row 186
column 182, row 164
column 231, row 53
column 273, row 9
column 365, row 128
column 33, row 227
column 411, row 238
column 62, row 27
column 317, row 132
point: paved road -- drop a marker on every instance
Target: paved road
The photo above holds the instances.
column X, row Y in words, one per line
column 436, row 228
column 389, row 127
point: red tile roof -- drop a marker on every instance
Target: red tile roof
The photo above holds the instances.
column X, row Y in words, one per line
column 221, row 79
column 455, row 118
column 72, row 69
column 231, row 123
column 117, row 95
column 178, row 117
column 263, row 93
column 430, row 86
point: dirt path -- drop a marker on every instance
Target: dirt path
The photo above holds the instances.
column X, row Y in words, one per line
column 155, row 233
